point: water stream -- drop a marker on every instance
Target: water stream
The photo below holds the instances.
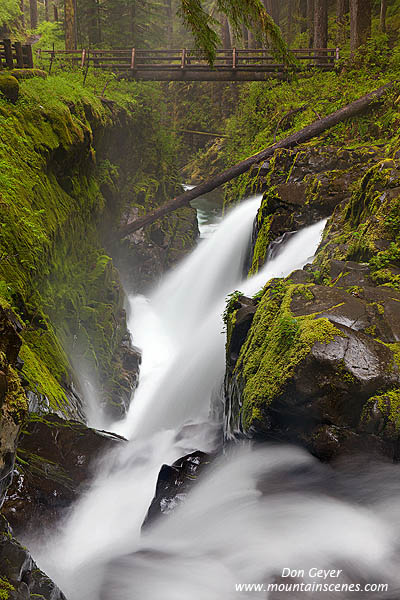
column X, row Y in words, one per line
column 257, row 510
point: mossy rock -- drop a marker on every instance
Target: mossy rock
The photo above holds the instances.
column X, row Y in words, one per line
column 9, row 87
column 21, row 74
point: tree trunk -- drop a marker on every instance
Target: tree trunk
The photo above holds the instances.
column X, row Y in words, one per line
column 33, row 14
column 251, row 40
column 360, row 23
column 304, row 135
column 320, row 23
column 93, row 23
column 245, row 34
column 225, row 33
column 290, row 8
column 310, row 22
column 22, row 9
column 342, row 10
column 55, row 9
column 170, row 22
column 46, row 10
column 272, row 8
column 70, row 32
column 383, row 16
column 303, row 15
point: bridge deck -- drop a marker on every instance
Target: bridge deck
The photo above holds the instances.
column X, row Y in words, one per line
column 191, row 65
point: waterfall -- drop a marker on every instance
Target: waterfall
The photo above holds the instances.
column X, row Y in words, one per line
column 256, row 511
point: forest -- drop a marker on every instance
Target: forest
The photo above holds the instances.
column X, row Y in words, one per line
column 199, row 299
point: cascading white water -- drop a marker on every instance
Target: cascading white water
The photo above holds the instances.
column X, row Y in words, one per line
column 230, row 530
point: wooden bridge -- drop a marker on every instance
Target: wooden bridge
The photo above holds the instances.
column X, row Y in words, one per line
column 192, row 65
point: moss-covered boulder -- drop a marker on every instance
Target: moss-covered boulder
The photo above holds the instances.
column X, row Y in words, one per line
column 22, row 74
column 312, row 360
column 9, row 87
column 318, row 362
column 54, row 466
column 303, row 186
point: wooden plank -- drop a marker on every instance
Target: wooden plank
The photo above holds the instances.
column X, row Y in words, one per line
column 19, row 55
column 28, row 56
column 8, row 55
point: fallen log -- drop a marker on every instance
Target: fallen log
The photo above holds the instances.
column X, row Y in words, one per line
column 313, row 130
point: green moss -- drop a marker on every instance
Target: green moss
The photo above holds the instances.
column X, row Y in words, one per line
column 15, row 400
column 5, row 588
column 262, row 243
column 389, row 404
column 40, row 380
column 9, row 87
column 276, row 344
column 54, row 271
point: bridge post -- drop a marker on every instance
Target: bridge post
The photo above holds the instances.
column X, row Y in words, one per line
column 183, row 61
column 233, row 58
column 133, row 57
column 83, row 57
column 19, row 55
column 8, row 55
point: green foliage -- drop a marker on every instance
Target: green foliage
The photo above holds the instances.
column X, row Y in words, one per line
column 9, row 11
column 53, row 268
column 50, row 33
column 250, row 13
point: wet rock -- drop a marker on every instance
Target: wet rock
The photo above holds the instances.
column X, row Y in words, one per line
column 301, row 187
column 173, row 484
column 317, row 395
column 20, row 577
column 245, row 311
column 56, row 460
column 13, row 405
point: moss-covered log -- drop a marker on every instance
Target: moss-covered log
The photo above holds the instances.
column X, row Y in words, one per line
column 309, row 132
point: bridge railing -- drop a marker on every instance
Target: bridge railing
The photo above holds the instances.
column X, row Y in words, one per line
column 14, row 55
column 260, row 60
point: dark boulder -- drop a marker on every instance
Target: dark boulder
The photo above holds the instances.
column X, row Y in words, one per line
column 20, row 577
column 309, row 364
column 56, row 460
column 174, row 482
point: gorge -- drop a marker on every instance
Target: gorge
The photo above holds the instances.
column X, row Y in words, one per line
column 205, row 406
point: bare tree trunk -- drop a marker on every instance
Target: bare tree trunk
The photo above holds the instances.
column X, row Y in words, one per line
column 245, row 34
column 290, row 8
column 70, row 31
column 360, row 23
column 303, row 15
column 22, row 9
column 310, row 22
column 33, row 9
column 321, row 28
column 168, row 10
column 342, row 10
column 272, row 8
column 383, row 16
column 93, row 23
column 55, row 9
column 225, row 33
column 252, row 42
column 46, row 10
column 309, row 132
